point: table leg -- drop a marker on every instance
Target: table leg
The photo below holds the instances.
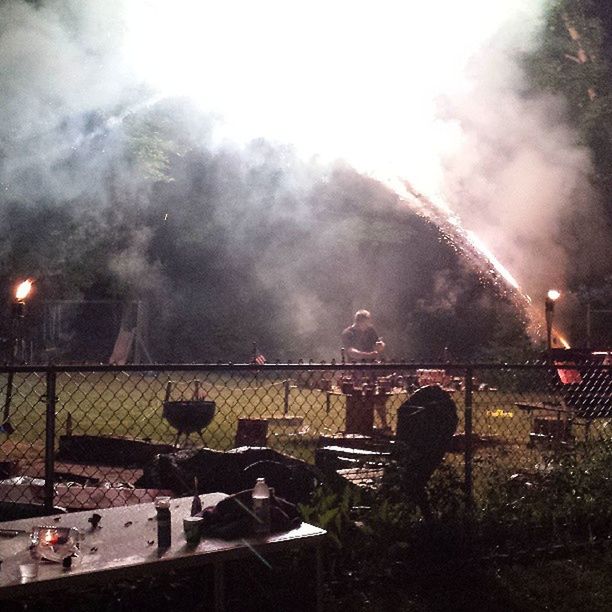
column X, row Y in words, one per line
column 219, row 587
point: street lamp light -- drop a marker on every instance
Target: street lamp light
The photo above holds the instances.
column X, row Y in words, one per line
column 549, row 311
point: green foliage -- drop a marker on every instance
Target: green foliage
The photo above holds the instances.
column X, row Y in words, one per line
column 379, row 540
column 572, row 60
column 561, row 501
column 332, row 511
column 508, row 341
column 151, row 142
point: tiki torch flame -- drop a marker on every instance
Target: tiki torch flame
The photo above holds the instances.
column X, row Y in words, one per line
column 553, row 295
column 564, row 343
column 21, row 293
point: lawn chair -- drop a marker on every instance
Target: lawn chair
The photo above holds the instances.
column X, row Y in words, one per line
column 426, row 423
column 581, row 383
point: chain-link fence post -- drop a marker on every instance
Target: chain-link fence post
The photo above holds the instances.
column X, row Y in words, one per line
column 468, row 457
column 287, row 391
column 50, row 439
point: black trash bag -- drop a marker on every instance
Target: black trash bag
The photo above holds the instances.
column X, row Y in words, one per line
column 233, row 516
column 293, row 482
column 229, row 472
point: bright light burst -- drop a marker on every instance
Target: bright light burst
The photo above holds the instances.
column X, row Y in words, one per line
column 362, row 81
column 335, row 78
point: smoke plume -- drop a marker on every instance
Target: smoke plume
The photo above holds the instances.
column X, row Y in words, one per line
column 520, row 178
column 256, row 132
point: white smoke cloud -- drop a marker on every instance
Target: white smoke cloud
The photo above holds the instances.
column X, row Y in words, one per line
column 432, row 92
column 445, row 294
column 355, row 80
column 61, row 71
column 133, row 268
column 519, row 174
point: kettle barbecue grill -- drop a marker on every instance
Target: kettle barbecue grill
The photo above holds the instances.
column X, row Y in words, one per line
column 188, row 416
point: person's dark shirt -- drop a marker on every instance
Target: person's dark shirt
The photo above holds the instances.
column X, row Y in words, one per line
column 361, row 340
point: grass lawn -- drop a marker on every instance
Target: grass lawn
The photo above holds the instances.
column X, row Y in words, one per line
column 130, row 405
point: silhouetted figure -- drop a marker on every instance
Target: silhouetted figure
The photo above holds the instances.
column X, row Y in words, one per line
column 360, row 340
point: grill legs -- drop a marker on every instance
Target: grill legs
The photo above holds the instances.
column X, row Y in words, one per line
column 186, row 435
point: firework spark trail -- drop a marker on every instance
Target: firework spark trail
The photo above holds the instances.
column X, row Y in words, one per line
column 465, row 241
column 475, row 251
column 470, row 246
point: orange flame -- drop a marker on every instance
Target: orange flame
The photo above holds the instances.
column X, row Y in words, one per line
column 23, row 289
column 564, row 343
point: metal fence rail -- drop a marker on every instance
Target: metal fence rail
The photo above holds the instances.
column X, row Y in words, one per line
column 80, row 436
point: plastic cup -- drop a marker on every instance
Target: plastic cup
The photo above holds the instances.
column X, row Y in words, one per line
column 191, row 528
column 28, row 571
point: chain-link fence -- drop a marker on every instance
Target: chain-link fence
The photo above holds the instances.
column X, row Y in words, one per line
column 80, row 437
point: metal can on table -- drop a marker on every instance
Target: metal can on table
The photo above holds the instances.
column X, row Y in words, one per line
column 164, row 522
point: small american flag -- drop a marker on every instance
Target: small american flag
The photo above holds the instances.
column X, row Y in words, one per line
column 259, row 359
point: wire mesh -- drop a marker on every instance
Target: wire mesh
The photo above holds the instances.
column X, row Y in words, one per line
column 109, row 422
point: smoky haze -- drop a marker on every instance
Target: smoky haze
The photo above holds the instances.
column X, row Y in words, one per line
column 170, row 206
column 521, row 178
column 60, row 77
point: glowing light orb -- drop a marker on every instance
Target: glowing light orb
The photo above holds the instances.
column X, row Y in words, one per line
column 23, row 289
